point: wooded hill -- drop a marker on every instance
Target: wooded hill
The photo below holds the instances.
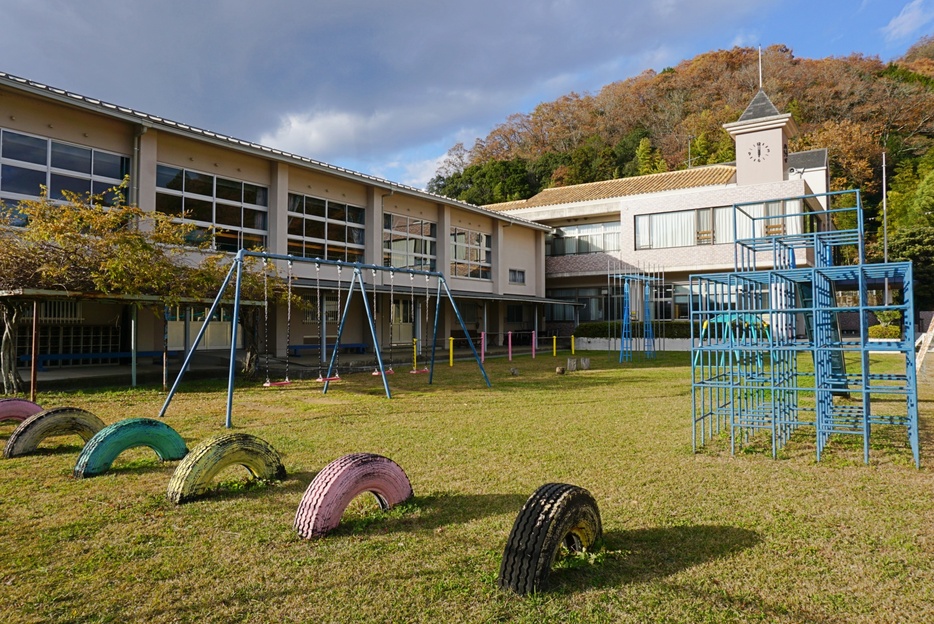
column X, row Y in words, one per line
column 855, row 106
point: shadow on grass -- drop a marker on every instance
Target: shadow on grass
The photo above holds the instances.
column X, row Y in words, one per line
column 61, row 449
column 428, row 513
column 644, row 555
column 248, row 488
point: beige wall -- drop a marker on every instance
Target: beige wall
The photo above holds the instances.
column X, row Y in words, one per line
column 515, row 246
column 40, row 117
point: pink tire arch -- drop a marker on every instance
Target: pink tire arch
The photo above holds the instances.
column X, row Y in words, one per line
column 341, row 481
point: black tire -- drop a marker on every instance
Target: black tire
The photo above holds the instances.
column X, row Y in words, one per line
column 556, row 515
column 193, row 475
column 57, row 421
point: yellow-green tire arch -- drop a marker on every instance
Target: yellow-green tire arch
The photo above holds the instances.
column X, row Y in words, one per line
column 54, row 422
column 194, row 474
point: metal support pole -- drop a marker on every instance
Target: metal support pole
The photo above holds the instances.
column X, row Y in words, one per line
column 34, row 364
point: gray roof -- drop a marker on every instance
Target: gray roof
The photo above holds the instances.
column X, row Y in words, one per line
column 811, row 159
column 760, row 108
column 132, row 115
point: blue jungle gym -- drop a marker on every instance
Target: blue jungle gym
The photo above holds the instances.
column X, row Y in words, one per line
column 753, row 329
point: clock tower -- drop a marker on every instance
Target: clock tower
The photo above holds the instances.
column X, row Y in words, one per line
column 761, row 136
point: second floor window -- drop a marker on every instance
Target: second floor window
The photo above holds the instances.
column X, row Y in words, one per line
column 236, row 210
column 471, row 254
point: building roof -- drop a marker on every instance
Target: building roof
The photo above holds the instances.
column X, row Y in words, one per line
column 134, row 116
column 713, row 175
column 811, row 159
column 760, row 107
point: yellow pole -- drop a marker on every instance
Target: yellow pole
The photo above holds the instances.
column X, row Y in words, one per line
column 414, row 353
column 451, row 350
column 554, row 346
column 572, row 344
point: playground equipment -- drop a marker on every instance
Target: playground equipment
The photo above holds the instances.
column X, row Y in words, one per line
column 17, row 410
column 104, row 446
column 634, row 292
column 236, row 271
column 756, row 324
column 54, row 422
column 193, row 475
column 557, row 514
column 341, row 481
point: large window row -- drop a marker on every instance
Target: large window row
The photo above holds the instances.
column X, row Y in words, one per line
column 409, row 243
column 471, row 254
column 236, row 210
column 710, row 226
column 583, row 239
column 319, row 228
column 28, row 163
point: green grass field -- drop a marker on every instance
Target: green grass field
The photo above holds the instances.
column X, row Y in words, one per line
column 688, row 538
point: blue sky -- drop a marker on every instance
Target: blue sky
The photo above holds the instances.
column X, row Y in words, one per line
column 386, row 88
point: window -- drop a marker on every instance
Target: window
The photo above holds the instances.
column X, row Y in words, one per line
column 583, row 239
column 471, row 254
column 712, row 226
column 319, row 228
column 236, row 210
column 29, row 162
column 409, row 243
column 515, row 313
column 516, row 276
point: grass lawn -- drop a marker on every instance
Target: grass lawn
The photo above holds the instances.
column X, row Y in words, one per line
column 688, row 538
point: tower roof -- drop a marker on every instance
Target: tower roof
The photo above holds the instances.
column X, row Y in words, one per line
column 760, row 107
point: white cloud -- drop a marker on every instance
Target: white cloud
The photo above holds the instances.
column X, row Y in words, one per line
column 913, row 17
column 746, row 38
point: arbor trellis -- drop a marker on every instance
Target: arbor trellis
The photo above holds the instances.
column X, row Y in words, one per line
column 87, row 247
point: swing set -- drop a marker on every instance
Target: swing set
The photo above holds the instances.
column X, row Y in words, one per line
column 235, row 274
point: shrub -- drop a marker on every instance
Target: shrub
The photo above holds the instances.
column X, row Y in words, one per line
column 610, row 329
column 885, row 331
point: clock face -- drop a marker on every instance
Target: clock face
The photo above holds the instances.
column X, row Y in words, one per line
column 758, row 152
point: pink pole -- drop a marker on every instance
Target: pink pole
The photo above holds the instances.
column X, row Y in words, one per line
column 509, row 338
column 482, row 347
column 534, row 343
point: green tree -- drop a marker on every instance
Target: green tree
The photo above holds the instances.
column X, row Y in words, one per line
column 650, row 160
column 917, row 244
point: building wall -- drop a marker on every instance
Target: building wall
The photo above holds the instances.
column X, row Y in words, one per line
column 697, row 258
column 149, row 143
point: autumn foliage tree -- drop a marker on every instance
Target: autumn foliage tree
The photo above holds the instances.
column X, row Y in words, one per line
column 855, row 106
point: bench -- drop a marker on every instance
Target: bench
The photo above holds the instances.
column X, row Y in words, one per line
column 346, row 347
column 45, row 358
column 460, row 339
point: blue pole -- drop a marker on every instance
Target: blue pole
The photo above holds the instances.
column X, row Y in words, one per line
column 466, row 334
column 191, row 349
column 434, row 336
column 233, row 345
column 369, row 319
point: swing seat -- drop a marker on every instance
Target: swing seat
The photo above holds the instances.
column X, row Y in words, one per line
column 376, row 372
column 323, row 379
column 271, row 384
column 416, row 371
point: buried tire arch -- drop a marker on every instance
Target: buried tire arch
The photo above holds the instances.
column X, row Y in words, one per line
column 193, row 475
column 342, row 480
column 102, row 449
column 53, row 422
column 556, row 515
